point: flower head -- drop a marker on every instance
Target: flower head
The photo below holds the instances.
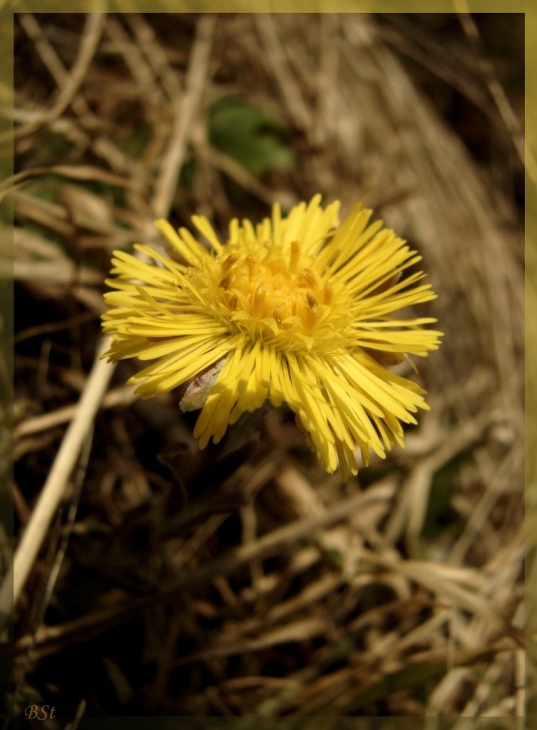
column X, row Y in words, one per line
column 295, row 310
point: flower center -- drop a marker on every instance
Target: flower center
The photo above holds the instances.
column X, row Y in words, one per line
column 275, row 286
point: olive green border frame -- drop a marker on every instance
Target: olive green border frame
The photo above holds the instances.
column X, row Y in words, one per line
column 528, row 7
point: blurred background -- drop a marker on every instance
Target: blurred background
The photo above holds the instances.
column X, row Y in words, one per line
column 250, row 582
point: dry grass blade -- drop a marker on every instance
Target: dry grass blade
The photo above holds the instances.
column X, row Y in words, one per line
column 117, row 396
column 78, row 172
column 185, row 110
column 276, row 59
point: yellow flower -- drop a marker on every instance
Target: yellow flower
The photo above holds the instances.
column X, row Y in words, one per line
column 294, row 310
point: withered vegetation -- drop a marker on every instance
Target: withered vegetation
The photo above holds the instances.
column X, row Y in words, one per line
column 246, row 581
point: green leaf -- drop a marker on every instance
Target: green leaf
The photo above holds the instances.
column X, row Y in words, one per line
column 246, row 134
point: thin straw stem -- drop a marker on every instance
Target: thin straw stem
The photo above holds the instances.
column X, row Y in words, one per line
column 56, row 483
